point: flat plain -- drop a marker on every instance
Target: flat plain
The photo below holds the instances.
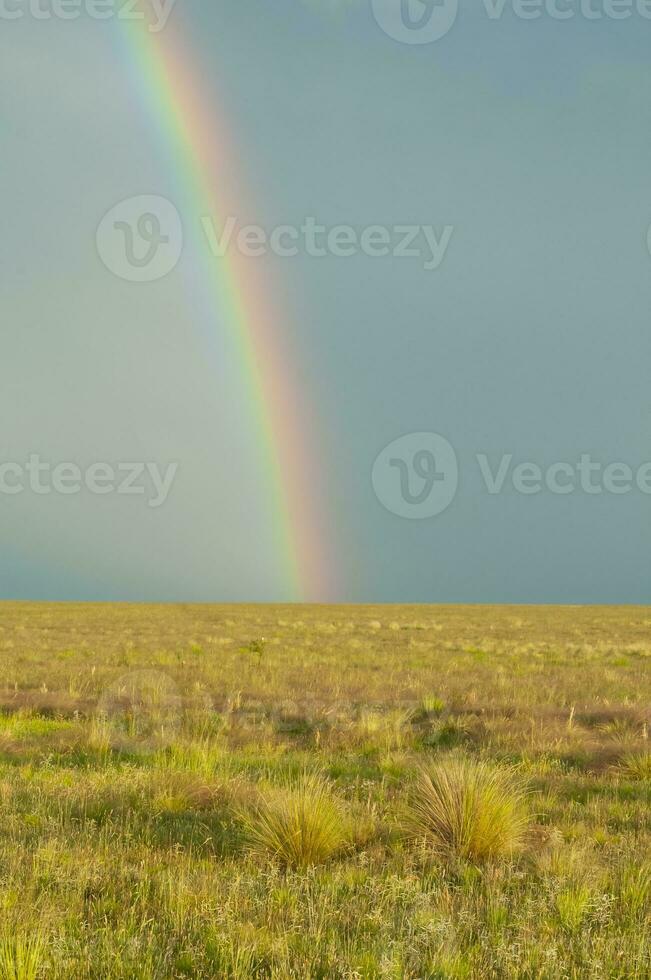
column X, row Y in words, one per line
column 271, row 791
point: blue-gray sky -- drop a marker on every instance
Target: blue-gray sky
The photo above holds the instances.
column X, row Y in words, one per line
column 529, row 138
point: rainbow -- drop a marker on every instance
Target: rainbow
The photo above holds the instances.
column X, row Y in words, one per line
column 238, row 301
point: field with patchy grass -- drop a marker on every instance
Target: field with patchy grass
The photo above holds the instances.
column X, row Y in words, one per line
column 324, row 792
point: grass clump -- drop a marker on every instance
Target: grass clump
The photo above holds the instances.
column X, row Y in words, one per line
column 636, row 765
column 572, row 905
column 635, row 890
column 20, row 956
column 300, row 825
column 468, row 809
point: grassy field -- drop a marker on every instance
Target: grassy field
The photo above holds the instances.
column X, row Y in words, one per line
column 272, row 791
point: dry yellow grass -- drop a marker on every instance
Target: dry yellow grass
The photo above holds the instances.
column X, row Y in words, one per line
column 469, row 809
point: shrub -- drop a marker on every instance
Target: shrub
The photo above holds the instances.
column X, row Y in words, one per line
column 302, row 824
column 468, row 809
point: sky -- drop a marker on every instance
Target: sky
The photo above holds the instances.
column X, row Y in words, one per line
column 477, row 409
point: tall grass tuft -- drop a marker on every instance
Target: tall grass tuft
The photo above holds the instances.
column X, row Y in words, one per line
column 635, row 889
column 468, row 809
column 20, row 956
column 636, row 765
column 300, row 825
column 572, row 905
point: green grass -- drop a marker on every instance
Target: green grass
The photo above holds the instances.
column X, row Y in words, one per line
column 201, row 791
column 20, row 956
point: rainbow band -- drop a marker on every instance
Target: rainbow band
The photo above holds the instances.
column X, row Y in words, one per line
column 191, row 133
